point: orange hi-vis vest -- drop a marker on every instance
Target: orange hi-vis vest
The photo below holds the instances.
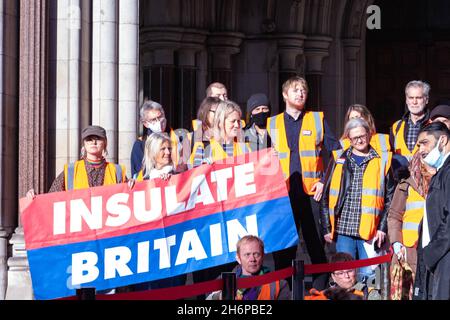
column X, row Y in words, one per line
column 310, row 145
column 378, row 141
column 75, row 175
column 400, row 147
column 269, row 291
column 372, row 200
column 412, row 217
column 215, row 151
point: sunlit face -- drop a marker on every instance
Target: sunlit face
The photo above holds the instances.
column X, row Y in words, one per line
column 232, row 125
column 163, row 158
column 344, row 278
column 260, row 109
column 444, row 120
column 152, row 116
column 250, row 257
column 359, row 139
column 354, row 114
column 94, row 146
column 426, row 143
column 296, row 96
column 416, row 100
column 220, row 93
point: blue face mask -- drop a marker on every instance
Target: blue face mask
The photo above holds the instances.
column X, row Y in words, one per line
column 435, row 158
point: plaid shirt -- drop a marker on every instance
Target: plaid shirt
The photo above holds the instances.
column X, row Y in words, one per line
column 349, row 220
column 413, row 132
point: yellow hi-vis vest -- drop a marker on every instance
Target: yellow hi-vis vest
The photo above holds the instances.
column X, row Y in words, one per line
column 372, row 200
column 310, row 145
column 412, row 217
column 400, row 147
column 215, row 151
column 75, row 175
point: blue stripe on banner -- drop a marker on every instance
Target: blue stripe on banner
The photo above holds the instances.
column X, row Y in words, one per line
column 410, row 226
column 206, row 239
column 415, row 205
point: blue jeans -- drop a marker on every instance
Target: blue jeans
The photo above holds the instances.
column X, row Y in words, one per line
column 355, row 247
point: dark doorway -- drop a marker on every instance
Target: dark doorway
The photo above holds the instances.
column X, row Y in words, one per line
column 413, row 44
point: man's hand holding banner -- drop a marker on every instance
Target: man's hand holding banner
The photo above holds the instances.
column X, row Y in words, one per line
column 107, row 237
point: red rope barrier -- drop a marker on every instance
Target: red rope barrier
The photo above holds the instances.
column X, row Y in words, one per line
column 181, row 292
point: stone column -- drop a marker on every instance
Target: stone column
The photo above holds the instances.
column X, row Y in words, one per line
column 128, row 77
column 66, row 89
column 316, row 49
column 33, row 98
column 9, row 51
column 105, row 70
column 353, row 72
column 291, row 60
column 222, row 46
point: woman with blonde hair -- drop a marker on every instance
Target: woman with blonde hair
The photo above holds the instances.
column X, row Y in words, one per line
column 379, row 141
column 157, row 163
column 227, row 135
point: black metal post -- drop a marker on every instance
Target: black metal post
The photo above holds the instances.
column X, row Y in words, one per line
column 298, row 280
column 229, row 286
column 86, row 294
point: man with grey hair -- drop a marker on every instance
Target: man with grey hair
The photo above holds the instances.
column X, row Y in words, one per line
column 153, row 119
column 357, row 196
column 404, row 132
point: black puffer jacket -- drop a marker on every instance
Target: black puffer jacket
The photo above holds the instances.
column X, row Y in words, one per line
column 345, row 185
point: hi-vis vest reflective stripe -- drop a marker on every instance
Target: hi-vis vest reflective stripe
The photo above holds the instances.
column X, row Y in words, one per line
column 139, row 176
column 378, row 141
column 215, row 151
column 175, row 147
column 269, row 291
column 75, row 175
column 310, row 144
column 372, row 200
column 412, row 217
column 400, row 146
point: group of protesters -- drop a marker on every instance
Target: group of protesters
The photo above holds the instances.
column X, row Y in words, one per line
column 377, row 190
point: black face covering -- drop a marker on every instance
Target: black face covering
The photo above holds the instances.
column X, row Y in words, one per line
column 260, row 119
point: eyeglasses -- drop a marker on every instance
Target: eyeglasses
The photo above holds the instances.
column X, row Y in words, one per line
column 155, row 120
column 355, row 139
column 341, row 273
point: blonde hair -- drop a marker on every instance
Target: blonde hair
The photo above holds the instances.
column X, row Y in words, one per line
column 224, row 109
column 293, row 81
column 152, row 147
column 249, row 238
column 365, row 114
